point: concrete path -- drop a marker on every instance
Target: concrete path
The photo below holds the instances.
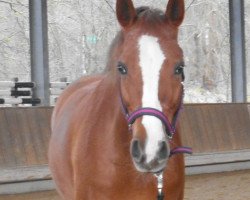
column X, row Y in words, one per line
column 222, row 186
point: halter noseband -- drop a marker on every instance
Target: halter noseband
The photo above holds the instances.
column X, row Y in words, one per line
column 170, row 127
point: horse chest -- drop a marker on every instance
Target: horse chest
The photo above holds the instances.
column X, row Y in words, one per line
column 117, row 189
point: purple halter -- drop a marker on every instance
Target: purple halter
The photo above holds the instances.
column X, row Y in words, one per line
column 170, row 127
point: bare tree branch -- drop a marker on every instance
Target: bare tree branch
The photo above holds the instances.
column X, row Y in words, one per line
column 190, row 5
column 110, row 6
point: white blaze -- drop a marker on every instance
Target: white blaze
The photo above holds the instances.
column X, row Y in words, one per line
column 151, row 60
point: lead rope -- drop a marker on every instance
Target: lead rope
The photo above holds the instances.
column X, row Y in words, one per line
column 159, row 177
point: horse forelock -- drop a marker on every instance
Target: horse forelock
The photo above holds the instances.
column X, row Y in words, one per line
column 150, row 14
column 147, row 18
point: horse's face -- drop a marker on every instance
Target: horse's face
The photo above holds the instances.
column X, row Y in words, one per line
column 151, row 66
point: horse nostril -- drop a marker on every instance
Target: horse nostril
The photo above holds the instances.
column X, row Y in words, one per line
column 136, row 151
column 163, row 151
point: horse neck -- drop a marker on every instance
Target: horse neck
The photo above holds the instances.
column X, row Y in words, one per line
column 115, row 49
column 112, row 78
column 113, row 122
column 112, row 104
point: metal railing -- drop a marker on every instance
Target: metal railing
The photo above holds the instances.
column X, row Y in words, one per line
column 17, row 93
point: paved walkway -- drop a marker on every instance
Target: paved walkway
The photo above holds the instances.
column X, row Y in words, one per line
column 223, row 186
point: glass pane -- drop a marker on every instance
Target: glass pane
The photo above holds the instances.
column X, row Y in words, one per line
column 14, row 40
column 80, row 34
column 247, row 31
column 205, row 41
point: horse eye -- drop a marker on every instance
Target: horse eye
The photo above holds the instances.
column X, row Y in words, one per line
column 122, row 68
column 179, row 70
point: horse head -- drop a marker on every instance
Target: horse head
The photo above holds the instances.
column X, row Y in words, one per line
column 150, row 74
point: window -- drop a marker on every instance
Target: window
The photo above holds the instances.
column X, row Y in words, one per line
column 14, row 40
column 247, row 30
column 205, row 40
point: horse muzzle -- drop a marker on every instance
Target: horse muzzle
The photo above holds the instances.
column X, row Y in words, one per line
column 156, row 163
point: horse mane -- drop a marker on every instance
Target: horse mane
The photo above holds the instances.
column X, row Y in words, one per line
column 148, row 16
column 112, row 50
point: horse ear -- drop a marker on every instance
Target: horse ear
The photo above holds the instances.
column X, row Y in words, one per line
column 175, row 11
column 125, row 12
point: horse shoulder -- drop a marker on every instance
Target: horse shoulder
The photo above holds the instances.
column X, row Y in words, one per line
column 64, row 130
column 72, row 91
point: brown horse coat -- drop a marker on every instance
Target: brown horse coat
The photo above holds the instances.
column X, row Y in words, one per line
column 89, row 154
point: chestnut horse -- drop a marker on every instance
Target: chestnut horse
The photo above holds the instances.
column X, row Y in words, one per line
column 94, row 154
